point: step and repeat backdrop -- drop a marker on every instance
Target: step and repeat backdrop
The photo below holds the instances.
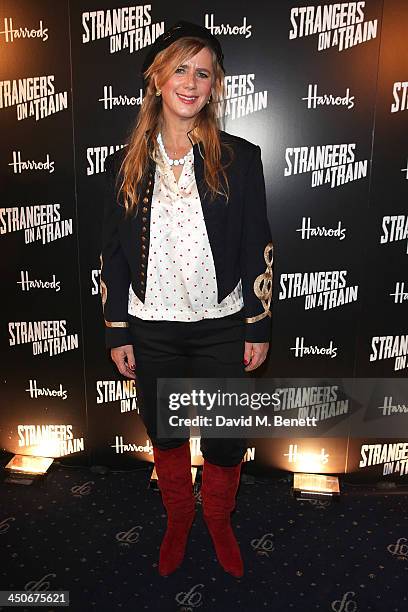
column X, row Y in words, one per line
column 322, row 87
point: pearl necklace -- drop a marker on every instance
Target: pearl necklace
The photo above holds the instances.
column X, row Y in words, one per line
column 172, row 162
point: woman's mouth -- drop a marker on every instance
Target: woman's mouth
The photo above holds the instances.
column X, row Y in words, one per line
column 187, row 99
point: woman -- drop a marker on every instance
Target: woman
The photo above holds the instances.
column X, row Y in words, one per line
column 186, row 275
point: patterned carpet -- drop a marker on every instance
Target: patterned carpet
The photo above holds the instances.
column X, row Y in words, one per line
column 98, row 537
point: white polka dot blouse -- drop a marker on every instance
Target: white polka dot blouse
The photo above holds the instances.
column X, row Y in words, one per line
column 180, row 282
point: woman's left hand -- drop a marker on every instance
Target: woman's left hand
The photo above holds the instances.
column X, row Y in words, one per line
column 255, row 354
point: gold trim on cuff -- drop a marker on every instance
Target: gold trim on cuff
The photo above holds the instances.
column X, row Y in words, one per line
column 258, row 317
column 116, row 323
column 263, row 286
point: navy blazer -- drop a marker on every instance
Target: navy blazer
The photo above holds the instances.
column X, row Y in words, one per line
column 238, row 233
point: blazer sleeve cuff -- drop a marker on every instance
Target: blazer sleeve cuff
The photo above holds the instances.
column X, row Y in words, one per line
column 117, row 336
column 258, row 331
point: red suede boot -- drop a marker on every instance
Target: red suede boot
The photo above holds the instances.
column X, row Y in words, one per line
column 218, row 491
column 173, row 468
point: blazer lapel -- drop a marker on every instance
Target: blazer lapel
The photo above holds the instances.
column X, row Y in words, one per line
column 209, row 206
column 199, row 177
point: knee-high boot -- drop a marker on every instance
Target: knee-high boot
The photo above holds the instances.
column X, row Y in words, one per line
column 173, row 468
column 218, row 491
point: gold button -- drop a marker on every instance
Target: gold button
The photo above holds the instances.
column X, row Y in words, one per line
column 143, row 246
column 143, row 255
column 144, row 219
column 144, row 229
column 149, row 183
column 147, row 190
column 142, row 282
column 143, row 240
column 145, row 200
column 142, row 273
column 145, row 209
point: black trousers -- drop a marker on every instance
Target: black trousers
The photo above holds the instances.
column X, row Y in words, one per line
column 210, row 348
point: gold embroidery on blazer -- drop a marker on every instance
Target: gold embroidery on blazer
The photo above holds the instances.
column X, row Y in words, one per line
column 263, row 286
column 116, row 323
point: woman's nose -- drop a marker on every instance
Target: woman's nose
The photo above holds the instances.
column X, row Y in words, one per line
column 190, row 79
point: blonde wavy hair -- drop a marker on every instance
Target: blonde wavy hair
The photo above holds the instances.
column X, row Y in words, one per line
column 142, row 137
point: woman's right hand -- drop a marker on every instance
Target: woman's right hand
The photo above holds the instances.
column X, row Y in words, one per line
column 124, row 359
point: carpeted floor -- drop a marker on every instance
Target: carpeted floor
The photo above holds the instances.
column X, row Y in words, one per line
column 98, row 537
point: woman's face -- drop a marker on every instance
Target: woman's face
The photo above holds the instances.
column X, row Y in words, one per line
column 188, row 90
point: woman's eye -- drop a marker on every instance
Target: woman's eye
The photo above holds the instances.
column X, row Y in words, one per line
column 202, row 75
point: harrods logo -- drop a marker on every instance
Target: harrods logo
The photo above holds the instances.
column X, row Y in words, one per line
column 329, row 164
column 226, row 29
column 301, row 349
column 340, row 25
column 309, row 231
column 121, row 447
column 129, row 28
column 27, row 284
column 400, row 294
column 111, row 99
column 13, row 32
column 33, row 97
column 393, row 457
column 240, row 97
column 326, row 289
column 20, row 165
column 96, row 157
column 49, row 440
column 389, row 408
column 316, row 99
column 40, row 222
column 295, row 455
column 35, row 391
